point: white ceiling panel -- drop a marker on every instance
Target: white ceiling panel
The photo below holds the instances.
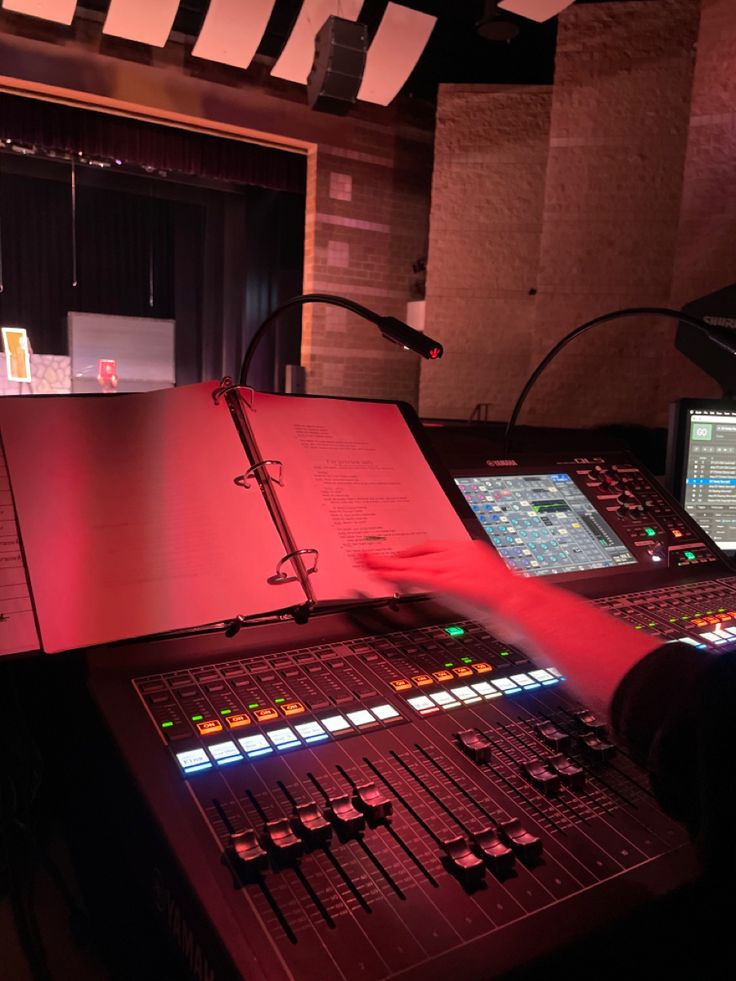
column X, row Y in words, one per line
column 60, row 11
column 538, row 10
column 400, row 39
column 147, row 21
column 297, row 56
column 232, row 31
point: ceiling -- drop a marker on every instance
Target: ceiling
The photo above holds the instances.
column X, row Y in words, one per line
column 456, row 51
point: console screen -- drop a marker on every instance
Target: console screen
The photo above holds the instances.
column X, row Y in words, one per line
column 543, row 524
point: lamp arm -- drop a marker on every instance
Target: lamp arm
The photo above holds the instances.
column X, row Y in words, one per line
column 582, row 329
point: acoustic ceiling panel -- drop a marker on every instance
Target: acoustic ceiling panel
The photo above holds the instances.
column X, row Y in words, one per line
column 538, row 10
column 147, row 21
column 232, row 31
column 295, row 60
column 400, row 39
column 60, row 11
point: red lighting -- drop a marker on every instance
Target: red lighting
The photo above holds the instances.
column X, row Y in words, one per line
column 435, row 352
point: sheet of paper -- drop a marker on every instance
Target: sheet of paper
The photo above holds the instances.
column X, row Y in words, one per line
column 129, row 516
column 355, row 481
column 17, row 623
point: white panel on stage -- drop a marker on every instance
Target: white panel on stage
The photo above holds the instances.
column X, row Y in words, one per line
column 232, row 31
column 60, row 11
column 400, row 39
column 143, row 349
column 539, row 10
column 297, row 56
column 147, row 21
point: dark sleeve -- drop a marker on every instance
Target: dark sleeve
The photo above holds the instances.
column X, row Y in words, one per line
column 675, row 712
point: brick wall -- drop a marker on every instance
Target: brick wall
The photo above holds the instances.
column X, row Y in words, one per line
column 605, row 221
column 486, row 222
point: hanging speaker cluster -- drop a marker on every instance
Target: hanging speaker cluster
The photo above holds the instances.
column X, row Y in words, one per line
column 340, row 49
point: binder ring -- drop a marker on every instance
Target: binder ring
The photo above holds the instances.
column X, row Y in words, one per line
column 242, row 479
column 280, row 577
column 226, row 386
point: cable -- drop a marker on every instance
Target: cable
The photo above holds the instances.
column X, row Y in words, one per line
column 582, row 329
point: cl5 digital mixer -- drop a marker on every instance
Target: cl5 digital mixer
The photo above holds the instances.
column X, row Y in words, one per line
column 398, row 794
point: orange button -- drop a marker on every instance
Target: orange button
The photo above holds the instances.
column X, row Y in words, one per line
column 422, row 679
column 481, row 667
column 676, row 533
column 265, row 714
column 462, row 672
column 293, row 708
column 209, row 727
column 400, row 684
column 238, row 721
column 443, row 675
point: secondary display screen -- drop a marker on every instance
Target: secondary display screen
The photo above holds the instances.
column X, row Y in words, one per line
column 542, row 524
column 710, row 474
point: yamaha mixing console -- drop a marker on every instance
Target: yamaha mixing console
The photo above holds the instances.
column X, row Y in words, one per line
column 398, row 794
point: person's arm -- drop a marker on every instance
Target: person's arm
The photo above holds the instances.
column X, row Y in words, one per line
column 592, row 648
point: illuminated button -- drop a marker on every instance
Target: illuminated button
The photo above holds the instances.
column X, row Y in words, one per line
column 192, row 760
column 265, row 714
column 311, row 732
column 676, row 533
column 223, row 753
column 524, row 681
column 336, row 724
column 293, row 708
column 284, row 738
column 361, row 718
column 465, row 694
column 445, row 700
column 506, row 686
column 485, row 690
column 400, row 684
column 255, row 746
column 422, row 679
column 544, row 676
column 462, row 672
column 481, row 667
column 444, row 676
column 238, row 721
column 386, row 713
column 422, row 704
column 454, row 631
column 690, row 556
column 650, row 532
column 209, row 727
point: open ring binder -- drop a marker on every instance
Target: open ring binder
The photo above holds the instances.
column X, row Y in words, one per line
column 227, row 386
column 280, row 577
column 242, row 479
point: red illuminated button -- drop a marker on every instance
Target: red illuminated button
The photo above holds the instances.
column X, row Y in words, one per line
column 209, row 727
column 400, row 684
column 238, row 721
column 444, row 675
column 293, row 708
column 462, row 672
column 482, row 667
column 422, row 679
column 265, row 714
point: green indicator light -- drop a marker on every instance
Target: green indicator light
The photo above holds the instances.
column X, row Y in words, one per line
column 254, row 705
column 651, row 624
column 454, row 631
column 279, row 700
column 651, row 532
column 684, row 618
column 448, row 664
column 638, row 627
column 197, row 718
column 721, row 609
column 709, row 613
column 690, row 555
column 673, row 619
column 504, row 653
column 225, row 711
column 466, row 660
column 166, row 725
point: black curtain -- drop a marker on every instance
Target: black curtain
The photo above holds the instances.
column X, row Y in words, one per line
column 216, row 261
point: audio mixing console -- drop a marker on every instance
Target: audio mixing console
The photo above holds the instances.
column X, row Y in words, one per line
column 399, row 794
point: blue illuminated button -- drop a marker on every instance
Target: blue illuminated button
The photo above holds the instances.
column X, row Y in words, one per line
column 284, row 738
column 223, row 753
column 386, row 713
column 524, row 681
column 336, row 724
column 255, row 746
column 505, row 685
column 486, row 690
column 311, row 732
column 192, row 760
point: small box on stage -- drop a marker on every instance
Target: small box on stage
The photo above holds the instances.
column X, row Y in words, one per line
column 340, row 48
